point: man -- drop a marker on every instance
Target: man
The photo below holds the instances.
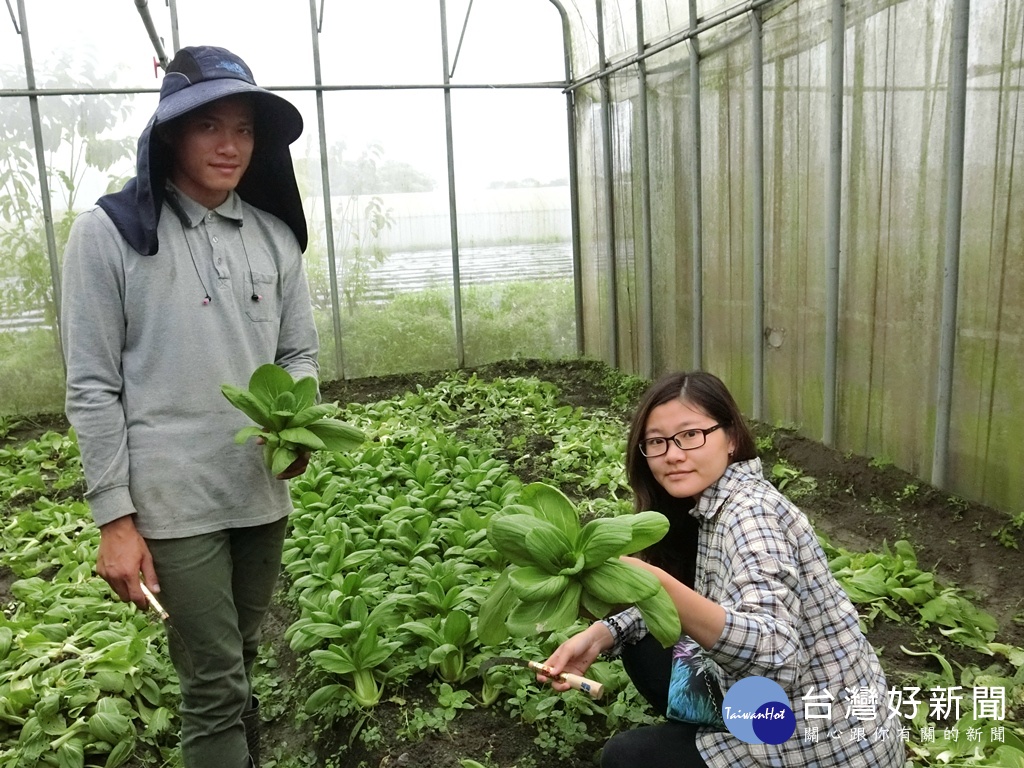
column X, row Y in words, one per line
column 188, row 278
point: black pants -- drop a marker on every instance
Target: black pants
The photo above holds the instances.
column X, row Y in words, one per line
column 666, row 745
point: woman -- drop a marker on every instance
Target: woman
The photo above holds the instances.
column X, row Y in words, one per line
column 753, row 589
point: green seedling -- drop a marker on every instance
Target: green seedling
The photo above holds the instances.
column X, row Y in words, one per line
column 290, row 420
column 561, row 569
column 446, row 641
column 359, row 659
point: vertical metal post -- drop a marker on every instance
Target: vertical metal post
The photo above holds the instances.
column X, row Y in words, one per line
column 697, row 204
column 611, row 296
column 460, row 351
column 954, row 212
column 644, row 290
column 834, row 202
column 574, row 180
column 757, row 151
column 40, row 151
column 175, row 41
column 325, row 178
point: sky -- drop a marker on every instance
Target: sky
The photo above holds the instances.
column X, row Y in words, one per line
column 499, row 134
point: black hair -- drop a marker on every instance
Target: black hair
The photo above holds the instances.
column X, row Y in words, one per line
column 677, row 551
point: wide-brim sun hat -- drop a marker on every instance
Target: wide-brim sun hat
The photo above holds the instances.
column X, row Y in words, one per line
column 199, row 75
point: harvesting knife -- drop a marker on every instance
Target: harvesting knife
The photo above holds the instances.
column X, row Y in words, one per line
column 590, row 687
column 165, row 617
column 153, row 602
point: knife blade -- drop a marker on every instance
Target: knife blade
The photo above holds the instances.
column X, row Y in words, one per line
column 590, row 687
column 153, row 602
column 172, row 631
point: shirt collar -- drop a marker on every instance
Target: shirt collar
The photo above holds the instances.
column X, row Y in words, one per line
column 192, row 213
column 715, row 495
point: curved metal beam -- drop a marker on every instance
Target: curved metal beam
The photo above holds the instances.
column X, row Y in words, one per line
column 574, row 178
column 147, row 20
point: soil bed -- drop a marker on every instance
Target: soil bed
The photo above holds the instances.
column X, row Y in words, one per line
column 858, row 504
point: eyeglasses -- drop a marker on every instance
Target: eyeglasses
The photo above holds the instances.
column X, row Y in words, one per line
column 686, row 440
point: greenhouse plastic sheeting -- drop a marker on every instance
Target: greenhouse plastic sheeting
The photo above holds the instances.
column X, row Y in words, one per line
column 641, row 125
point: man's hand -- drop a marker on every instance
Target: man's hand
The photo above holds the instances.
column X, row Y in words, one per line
column 296, row 468
column 122, row 557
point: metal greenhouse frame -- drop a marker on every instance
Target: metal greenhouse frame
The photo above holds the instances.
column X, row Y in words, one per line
column 755, row 189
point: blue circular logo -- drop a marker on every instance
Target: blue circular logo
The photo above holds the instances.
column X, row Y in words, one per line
column 756, row 710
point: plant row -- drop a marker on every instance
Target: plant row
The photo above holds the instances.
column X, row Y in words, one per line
column 385, row 571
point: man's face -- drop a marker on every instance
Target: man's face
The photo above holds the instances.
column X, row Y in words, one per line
column 212, row 149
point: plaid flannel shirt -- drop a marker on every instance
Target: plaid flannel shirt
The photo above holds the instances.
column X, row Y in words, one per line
column 787, row 619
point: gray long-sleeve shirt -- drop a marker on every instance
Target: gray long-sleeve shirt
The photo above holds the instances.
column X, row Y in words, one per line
column 146, row 356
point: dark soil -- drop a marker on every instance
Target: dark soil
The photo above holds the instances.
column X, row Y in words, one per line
column 857, row 504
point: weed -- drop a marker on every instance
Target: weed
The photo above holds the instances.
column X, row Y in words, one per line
column 908, row 492
column 625, row 389
column 269, row 684
column 957, row 502
column 371, row 735
column 791, row 480
column 7, row 425
column 959, row 506
column 1008, row 534
column 878, row 506
column 765, row 444
column 284, row 755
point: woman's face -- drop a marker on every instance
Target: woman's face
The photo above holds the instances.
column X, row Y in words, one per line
column 686, row 474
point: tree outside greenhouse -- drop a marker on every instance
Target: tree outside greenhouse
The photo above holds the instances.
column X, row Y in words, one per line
column 520, row 213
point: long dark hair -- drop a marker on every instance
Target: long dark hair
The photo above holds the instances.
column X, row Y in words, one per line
column 677, row 551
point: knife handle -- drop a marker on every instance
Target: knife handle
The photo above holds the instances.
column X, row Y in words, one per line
column 153, row 602
column 590, row 687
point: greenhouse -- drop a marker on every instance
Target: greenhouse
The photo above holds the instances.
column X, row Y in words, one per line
column 517, row 215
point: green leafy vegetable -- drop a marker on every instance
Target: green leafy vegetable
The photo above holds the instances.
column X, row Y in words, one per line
column 559, row 569
column 290, row 420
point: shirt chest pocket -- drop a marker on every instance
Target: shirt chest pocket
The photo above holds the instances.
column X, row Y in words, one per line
column 261, row 296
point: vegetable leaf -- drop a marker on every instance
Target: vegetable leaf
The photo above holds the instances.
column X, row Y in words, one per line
column 553, row 506
column 268, row 381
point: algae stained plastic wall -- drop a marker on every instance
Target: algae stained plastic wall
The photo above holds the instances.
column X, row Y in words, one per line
column 894, row 199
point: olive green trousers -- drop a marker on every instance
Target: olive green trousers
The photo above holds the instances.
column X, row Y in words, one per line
column 217, row 589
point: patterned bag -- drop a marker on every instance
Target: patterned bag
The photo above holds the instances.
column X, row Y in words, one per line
column 694, row 695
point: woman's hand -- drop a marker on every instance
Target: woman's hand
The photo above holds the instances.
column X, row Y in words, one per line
column 577, row 653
